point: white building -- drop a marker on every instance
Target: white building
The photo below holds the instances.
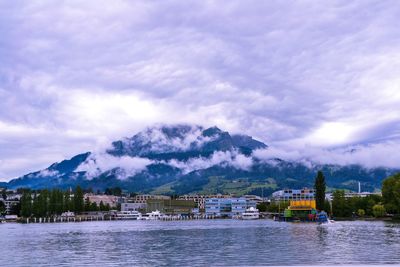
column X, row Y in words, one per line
column 133, row 206
column 329, row 196
column 201, row 199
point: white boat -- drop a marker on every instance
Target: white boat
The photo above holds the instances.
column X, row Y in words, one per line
column 128, row 215
column 251, row 214
column 155, row 215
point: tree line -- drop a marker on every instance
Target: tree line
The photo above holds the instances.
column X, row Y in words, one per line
column 53, row 202
column 372, row 205
column 356, row 206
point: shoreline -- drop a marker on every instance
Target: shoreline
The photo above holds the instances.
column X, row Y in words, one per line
column 81, row 219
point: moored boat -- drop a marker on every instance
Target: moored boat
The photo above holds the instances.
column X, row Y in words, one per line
column 250, row 214
column 128, row 215
column 155, row 215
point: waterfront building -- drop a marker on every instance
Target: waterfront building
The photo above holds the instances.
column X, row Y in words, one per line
column 293, row 194
column 353, row 194
column 171, row 206
column 201, row 199
column 112, row 201
column 133, row 206
column 227, row 207
column 303, row 210
column 144, row 197
column 9, row 204
column 254, row 198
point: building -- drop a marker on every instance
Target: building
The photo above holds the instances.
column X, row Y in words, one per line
column 254, row 198
column 143, row 198
column 201, row 199
column 293, row 194
column 9, row 204
column 171, row 206
column 303, row 210
column 133, row 206
column 227, row 207
column 112, row 201
column 329, row 196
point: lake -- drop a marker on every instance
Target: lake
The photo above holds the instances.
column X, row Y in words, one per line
column 198, row 243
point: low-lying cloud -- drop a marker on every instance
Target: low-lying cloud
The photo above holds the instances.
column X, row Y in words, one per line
column 98, row 163
column 222, row 158
column 384, row 154
column 157, row 138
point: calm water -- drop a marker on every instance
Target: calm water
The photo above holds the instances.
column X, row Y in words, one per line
column 198, row 243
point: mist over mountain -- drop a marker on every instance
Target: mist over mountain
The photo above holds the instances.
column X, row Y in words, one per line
column 178, row 159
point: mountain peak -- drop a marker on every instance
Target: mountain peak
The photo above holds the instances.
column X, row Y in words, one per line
column 212, row 131
column 163, row 139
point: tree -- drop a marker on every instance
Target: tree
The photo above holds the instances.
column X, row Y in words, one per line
column 2, row 207
column 67, row 203
column 115, row 191
column 87, row 204
column 4, row 194
column 320, row 188
column 339, row 204
column 391, row 193
column 378, row 210
column 101, row 206
column 262, row 207
column 16, row 209
column 78, row 200
column 26, row 203
column 361, row 212
column 93, row 206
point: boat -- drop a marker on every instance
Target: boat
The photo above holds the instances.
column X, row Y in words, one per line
column 251, row 214
column 128, row 215
column 155, row 215
column 322, row 217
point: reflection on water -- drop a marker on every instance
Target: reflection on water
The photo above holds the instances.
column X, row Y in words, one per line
column 199, row 243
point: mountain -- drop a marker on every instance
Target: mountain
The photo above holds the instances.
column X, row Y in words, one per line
column 181, row 159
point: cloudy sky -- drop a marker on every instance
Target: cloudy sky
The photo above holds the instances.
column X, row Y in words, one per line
column 305, row 77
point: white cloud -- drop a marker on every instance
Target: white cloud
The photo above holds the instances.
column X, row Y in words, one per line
column 372, row 155
column 48, row 173
column 158, row 139
column 223, row 158
column 97, row 164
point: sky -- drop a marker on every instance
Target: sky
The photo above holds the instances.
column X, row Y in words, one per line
column 309, row 78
